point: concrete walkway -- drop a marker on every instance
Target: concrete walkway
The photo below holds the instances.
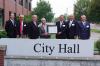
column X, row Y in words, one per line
column 95, row 26
column 95, row 36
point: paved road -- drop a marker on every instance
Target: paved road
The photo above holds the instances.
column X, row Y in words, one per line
column 95, row 26
column 95, row 36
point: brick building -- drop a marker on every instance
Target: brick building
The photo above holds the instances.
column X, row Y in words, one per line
column 13, row 6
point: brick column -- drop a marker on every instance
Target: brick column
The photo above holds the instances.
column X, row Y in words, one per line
column 2, row 54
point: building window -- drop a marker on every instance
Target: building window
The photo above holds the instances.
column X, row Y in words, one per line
column 21, row 2
column 29, row 6
column 9, row 14
column 26, row 3
column 1, row 17
column 15, row 16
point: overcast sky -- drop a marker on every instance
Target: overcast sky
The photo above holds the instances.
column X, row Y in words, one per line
column 59, row 6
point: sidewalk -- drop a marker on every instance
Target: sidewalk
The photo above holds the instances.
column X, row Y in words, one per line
column 95, row 26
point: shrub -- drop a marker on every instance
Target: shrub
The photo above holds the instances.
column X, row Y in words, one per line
column 27, row 18
column 98, row 45
column 95, row 30
column 3, row 34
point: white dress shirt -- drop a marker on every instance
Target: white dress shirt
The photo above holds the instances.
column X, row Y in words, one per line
column 70, row 23
column 12, row 21
column 61, row 22
column 84, row 23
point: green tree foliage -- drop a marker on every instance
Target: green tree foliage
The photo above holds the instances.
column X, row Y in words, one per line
column 27, row 18
column 43, row 9
column 94, row 11
column 81, row 7
column 57, row 18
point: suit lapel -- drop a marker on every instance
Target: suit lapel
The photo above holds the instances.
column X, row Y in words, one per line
column 34, row 25
column 13, row 23
column 59, row 24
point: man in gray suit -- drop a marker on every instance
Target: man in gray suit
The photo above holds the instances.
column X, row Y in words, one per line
column 43, row 29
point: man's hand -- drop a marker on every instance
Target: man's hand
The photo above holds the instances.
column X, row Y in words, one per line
column 46, row 33
column 76, row 37
column 59, row 33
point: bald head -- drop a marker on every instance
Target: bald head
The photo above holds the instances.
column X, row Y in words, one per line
column 83, row 18
column 21, row 17
column 71, row 17
column 34, row 18
column 43, row 20
column 61, row 17
column 12, row 16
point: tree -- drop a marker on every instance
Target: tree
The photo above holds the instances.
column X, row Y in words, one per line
column 43, row 9
column 94, row 11
column 81, row 7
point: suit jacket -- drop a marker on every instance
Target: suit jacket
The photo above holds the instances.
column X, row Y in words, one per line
column 42, row 31
column 11, row 29
column 24, row 28
column 72, row 29
column 84, row 30
column 33, row 31
column 63, row 29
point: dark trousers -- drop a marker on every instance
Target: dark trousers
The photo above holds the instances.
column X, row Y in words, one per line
column 45, row 36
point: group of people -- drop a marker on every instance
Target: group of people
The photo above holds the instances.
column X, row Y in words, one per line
column 22, row 29
column 70, row 29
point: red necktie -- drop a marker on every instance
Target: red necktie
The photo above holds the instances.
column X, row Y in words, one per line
column 20, row 27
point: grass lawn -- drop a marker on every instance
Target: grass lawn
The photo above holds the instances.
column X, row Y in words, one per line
column 95, row 48
column 95, row 30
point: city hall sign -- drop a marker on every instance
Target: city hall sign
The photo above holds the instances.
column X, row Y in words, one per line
column 62, row 48
column 48, row 47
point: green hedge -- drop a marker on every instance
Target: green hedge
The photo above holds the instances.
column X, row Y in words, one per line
column 3, row 34
column 95, row 30
column 97, row 44
column 27, row 18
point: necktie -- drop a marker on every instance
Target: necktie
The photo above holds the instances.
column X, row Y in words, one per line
column 20, row 27
column 35, row 24
column 43, row 28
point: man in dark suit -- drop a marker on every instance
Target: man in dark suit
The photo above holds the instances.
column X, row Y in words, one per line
column 72, row 27
column 21, row 27
column 10, row 27
column 84, row 28
column 33, row 29
column 61, row 28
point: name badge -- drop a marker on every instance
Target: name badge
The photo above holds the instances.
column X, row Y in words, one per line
column 73, row 24
column 87, row 26
column 25, row 25
column 63, row 25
